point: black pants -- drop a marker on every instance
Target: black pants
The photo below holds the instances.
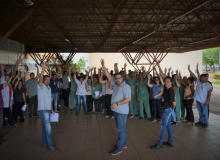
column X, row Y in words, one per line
column 189, row 111
column 156, row 103
column 103, row 102
column 66, row 97
column 108, row 105
column 89, row 102
column 151, row 106
column 33, row 101
column 7, row 112
column 17, row 111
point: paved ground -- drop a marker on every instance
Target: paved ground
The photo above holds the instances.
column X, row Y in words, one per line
column 92, row 137
column 215, row 101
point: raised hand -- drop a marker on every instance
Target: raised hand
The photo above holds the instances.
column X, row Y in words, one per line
column 125, row 65
column 36, row 65
column 2, row 66
column 148, row 76
column 172, row 72
column 197, row 65
column 17, row 62
column 165, row 70
column 44, row 66
column 188, row 67
column 102, row 62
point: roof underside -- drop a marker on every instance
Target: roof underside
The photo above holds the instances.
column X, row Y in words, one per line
column 110, row 25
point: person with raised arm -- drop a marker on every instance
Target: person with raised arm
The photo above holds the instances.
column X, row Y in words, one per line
column 54, row 80
column 103, row 98
column 133, row 104
column 45, row 108
column 168, row 105
column 19, row 100
column 73, row 89
column 176, row 84
column 2, row 86
column 188, row 97
column 109, row 91
column 121, row 97
column 81, row 91
column 7, row 95
column 156, row 97
column 96, row 87
column 202, row 96
column 31, row 89
column 143, row 96
column 89, row 99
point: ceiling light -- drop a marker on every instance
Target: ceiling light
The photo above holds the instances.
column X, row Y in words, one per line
column 30, row 2
column 67, row 40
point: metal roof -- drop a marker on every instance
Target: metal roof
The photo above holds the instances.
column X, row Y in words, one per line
column 111, row 25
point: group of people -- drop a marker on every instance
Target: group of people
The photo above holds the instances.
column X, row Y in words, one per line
column 163, row 97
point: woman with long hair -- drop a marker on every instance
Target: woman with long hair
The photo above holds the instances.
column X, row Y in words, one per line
column 188, row 97
column 19, row 100
column 156, row 97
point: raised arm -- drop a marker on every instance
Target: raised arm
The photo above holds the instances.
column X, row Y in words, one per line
column 108, row 75
column 69, row 73
column 13, row 82
column 9, row 81
column 50, row 72
column 116, row 68
column 161, row 72
column 44, row 66
column 102, row 81
column 161, row 80
column 91, row 74
column 16, row 84
column 38, row 75
column 197, row 68
column 165, row 71
column 148, row 82
column 2, row 67
column 194, row 76
column 168, row 73
column 181, row 80
column 177, row 83
column 125, row 70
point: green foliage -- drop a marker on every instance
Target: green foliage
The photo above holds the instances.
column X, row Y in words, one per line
column 216, row 76
column 216, row 82
column 210, row 56
column 81, row 64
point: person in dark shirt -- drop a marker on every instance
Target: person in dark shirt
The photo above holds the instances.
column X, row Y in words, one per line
column 19, row 100
column 168, row 104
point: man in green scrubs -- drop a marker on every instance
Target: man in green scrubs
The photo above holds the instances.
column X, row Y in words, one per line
column 133, row 104
column 143, row 96
column 73, row 89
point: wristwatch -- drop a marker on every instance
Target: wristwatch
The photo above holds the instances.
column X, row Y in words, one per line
column 117, row 103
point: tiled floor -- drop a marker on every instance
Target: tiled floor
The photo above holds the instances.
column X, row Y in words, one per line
column 92, row 137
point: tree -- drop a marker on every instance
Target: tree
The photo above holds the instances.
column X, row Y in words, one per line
column 81, row 64
column 210, row 56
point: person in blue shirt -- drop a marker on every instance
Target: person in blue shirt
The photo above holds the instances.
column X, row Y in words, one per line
column 202, row 96
column 120, row 105
column 156, row 97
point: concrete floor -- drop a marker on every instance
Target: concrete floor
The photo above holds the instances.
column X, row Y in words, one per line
column 92, row 137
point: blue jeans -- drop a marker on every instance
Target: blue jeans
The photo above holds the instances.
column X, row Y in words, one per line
column 166, row 126
column 203, row 112
column 120, row 120
column 46, row 130
column 79, row 98
column 54, row 98
column 97, row 103
column 173, row 115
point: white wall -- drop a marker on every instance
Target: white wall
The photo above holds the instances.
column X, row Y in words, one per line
column 174, row 60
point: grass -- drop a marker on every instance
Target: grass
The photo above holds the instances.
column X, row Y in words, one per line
column 216, row 82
